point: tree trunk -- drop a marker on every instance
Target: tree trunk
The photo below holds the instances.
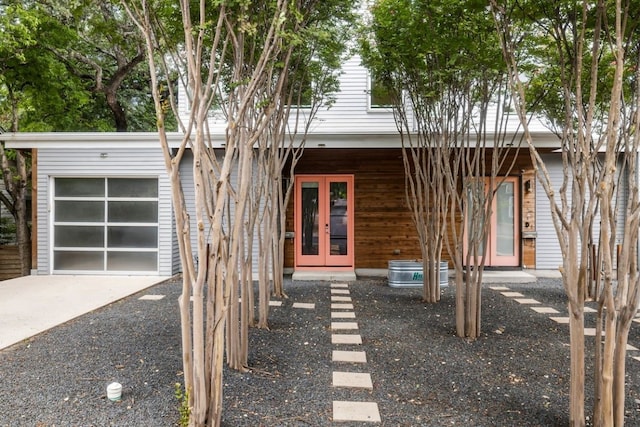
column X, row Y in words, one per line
column 576, row 389
column 23, row 234
column 119, row 115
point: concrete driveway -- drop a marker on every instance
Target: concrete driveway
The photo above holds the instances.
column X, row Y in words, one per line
column 32, row 304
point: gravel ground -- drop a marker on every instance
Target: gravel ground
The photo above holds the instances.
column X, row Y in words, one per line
column 515, row 374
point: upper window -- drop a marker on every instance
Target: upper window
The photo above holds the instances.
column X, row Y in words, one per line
column 300, row 89
column 379, row 96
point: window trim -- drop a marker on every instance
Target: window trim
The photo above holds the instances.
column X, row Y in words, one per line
column 371, row 107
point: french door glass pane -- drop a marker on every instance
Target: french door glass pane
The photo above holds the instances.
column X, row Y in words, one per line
column 310, row 226
column 79, row 187
column 338, row 218
column 78, row 236
column 79, row 211
column 505, row 220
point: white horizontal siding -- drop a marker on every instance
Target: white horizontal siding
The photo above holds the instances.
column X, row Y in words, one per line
column 548, row 253
column 102, row 162
column 351, row 114
column 186, row 176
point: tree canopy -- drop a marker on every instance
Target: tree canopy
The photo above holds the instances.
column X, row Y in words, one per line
column 71, row 67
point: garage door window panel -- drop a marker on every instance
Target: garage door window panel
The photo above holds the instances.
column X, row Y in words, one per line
column 133, row 211
column 74, row 187
column 133, row 187
column 70, row 236
column 130, row 237
column 79, row 211
column 79, row 261
column 127, row 261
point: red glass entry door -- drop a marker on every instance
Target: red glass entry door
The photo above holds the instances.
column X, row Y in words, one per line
column 324, row 221
column 503, row 242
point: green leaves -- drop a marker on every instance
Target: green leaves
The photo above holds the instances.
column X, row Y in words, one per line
column 431, row 49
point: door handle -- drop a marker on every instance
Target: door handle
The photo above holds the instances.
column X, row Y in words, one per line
column 326, row 228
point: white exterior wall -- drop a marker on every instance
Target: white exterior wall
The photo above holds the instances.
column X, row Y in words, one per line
column 186, row 176
column 548, row 253
column 103, row 162
column 350, row 114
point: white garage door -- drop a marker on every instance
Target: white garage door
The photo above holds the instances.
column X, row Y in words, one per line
column 105, row 225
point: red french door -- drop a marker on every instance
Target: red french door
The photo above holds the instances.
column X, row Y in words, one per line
column 324, row 221
column 503, row 242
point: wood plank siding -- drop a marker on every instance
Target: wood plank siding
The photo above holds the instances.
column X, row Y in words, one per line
column 384, row 229
column 9, row 262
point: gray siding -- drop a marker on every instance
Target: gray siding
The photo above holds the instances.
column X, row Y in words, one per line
column 351, row 113
column 548, row 254
column 103, row 162
column 186, row 176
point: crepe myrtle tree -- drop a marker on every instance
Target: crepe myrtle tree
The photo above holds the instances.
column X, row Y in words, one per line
column 442, row 64
column 309, row 81
column 232, row 57
column 583, row 57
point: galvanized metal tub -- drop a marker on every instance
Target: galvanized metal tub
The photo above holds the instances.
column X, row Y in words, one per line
column 409, row 274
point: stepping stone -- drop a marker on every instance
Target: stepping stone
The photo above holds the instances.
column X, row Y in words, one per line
column 512, row 294
column 562, row 320
column 590, row 310
column 346, row 339
column 344, row 325
column 343, row 315
column 636, row 358
column 340, row 299
column 307, row 305
column 340, row 291
column 352, row 380
column 527, row 301
column 499, row 288
column 343, row 306
column 339, row 285
column 349, row 356
column 591, row 332
column 275, row 303
column 636, row 320
column 151, row 297
column 355, row 411
column 545, row 310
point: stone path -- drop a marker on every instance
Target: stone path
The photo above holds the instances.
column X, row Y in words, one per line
column 344, row 336
column 538, row 307
column 349, row 362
